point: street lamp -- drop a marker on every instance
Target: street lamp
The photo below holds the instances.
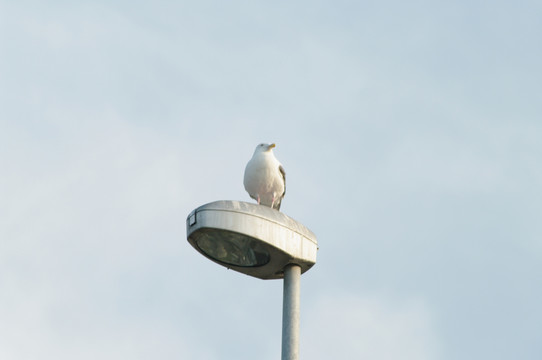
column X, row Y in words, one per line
column 261, row 242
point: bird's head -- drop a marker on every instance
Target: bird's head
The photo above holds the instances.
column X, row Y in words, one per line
column 263, row 147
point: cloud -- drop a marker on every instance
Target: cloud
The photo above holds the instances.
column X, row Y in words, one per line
column 91, row 220
column 116, row 121
column 346, row 326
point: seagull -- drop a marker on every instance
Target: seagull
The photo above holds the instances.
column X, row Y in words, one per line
column 265, row 178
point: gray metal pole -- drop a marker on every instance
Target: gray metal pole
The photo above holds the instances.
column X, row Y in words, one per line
column 290, row 312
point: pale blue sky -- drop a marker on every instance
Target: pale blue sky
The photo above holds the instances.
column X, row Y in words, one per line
column 410, row 134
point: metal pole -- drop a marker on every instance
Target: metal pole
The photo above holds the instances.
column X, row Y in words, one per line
column 290, row 312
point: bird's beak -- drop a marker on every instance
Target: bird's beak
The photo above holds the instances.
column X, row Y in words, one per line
column 271, row 146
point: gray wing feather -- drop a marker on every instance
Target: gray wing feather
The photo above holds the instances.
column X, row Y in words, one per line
column 283, row 173
column 279, row 200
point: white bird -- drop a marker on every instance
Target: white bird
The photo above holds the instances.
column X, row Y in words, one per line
column 265, row 178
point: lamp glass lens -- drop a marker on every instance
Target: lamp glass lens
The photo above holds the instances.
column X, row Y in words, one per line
column 232, row 248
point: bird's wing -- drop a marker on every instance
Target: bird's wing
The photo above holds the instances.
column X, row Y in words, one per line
column 283, row 173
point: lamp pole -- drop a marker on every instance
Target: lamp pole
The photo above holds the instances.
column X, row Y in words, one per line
column 290, row 312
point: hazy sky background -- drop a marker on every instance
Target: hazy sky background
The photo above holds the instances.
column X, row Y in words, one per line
column 410, row 134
